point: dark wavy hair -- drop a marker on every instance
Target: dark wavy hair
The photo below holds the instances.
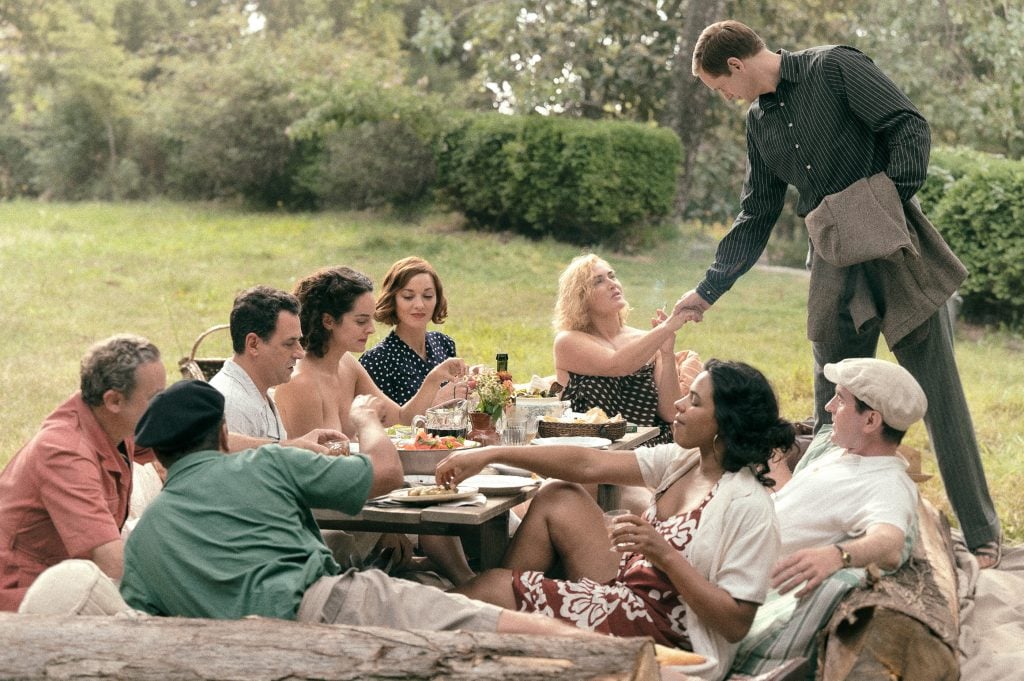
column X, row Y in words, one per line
column 395, row 280
column 332, row 291
column 747, row 413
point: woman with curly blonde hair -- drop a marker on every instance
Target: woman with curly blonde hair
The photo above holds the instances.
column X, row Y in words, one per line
column 603, row 362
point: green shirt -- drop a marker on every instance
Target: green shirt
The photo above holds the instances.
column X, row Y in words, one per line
column 232, row 535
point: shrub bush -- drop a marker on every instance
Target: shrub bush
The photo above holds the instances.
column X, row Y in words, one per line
column 946, row 166
column 222, row 127
column 579, row 181
column 981, row 216
column 373, row 146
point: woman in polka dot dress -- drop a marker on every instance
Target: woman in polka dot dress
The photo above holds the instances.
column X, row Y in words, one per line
column 411, row 297
column 604, row 363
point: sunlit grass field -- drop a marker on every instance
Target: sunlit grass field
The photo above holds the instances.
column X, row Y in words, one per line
column 76, row 273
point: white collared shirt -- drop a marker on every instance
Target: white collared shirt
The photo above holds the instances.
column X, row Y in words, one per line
column 246, row 410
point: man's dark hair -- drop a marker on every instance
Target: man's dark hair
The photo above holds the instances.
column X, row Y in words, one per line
column 889, row 434
column 256, row 311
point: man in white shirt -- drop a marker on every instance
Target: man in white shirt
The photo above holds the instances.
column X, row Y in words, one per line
column 849, row 504
column 265, row 335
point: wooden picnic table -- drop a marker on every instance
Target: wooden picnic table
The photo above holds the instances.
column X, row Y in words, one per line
column 484, row 528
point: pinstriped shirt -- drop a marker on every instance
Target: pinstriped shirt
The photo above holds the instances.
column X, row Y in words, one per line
column 833, row 119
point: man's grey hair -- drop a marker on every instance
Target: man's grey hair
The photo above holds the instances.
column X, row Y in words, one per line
column 111, row 364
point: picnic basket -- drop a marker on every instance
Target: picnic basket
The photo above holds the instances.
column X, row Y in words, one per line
column 201, row 369
column 613, row 430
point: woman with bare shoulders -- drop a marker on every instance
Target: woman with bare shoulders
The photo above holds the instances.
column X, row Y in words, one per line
column 336, row 315
column 337, row 320
column 603, row 362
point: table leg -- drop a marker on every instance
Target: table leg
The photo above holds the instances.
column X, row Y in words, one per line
column 493, row 536
column 609, row 496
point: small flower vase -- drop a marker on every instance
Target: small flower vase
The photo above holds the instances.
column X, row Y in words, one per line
column 483, row 430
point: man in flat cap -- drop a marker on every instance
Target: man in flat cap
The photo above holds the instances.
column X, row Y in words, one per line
column 65, row 493
column 232, row 535
column 849, row 504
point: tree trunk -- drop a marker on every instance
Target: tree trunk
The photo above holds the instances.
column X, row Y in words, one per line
column 905, row 625
column 52, row 647
column 690, row 99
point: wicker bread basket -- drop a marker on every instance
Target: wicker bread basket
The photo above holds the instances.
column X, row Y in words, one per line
column 613, row 430
column 201, row 369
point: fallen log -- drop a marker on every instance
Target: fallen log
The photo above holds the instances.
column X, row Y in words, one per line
column 901, row 626
column 180, row 649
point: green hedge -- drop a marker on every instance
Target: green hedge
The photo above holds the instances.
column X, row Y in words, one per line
column 947, row 165
column 579, row 181
column 981, row 216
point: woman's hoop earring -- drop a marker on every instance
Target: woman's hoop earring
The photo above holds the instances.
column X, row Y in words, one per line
column 714, row 444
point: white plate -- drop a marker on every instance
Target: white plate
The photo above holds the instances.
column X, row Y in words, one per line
column 462, row 492
column 581, row 441
column 498, row 485
column 403, row 446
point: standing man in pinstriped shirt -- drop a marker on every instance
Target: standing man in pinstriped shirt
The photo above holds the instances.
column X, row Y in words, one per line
column 822, row 119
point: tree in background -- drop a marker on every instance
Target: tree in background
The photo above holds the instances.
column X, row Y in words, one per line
column 111, row 98
column 74, row 92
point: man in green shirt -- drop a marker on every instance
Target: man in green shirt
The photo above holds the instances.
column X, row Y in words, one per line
column 232, row 535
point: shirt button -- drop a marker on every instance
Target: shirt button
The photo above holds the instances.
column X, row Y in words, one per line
column 782, row 104
column 796, row 146
column 791, row 125
column 808, row 167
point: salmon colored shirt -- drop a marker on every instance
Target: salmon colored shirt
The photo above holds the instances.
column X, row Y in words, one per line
column 64, row 494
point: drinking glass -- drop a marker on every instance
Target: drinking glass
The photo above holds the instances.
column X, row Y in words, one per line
column 611, row 519
column 515, row 433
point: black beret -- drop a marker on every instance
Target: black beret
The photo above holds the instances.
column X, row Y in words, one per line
column 177, row 416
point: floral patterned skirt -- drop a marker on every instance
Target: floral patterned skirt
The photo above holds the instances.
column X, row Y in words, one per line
column 639, row 601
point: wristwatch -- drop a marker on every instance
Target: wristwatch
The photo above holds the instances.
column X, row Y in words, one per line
column 845, row 556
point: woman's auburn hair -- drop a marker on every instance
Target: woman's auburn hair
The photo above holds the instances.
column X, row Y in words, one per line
column 572, row 307
column 396, row 278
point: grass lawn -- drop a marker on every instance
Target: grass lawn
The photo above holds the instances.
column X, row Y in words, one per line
column 76, row 273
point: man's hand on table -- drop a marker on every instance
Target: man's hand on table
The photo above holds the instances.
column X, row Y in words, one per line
column 458, row 466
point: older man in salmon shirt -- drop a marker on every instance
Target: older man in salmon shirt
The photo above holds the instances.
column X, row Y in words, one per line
column 65, row 494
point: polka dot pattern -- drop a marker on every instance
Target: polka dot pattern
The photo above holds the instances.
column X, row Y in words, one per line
column 396, row 368
column 634, row 396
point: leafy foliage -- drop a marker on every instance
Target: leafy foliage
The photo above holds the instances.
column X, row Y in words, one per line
column 583, row 182
column 982, row 218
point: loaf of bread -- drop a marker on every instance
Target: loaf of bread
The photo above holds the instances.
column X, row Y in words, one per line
column 672, row 657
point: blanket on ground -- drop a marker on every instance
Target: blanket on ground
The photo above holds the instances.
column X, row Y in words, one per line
column 991, row 616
